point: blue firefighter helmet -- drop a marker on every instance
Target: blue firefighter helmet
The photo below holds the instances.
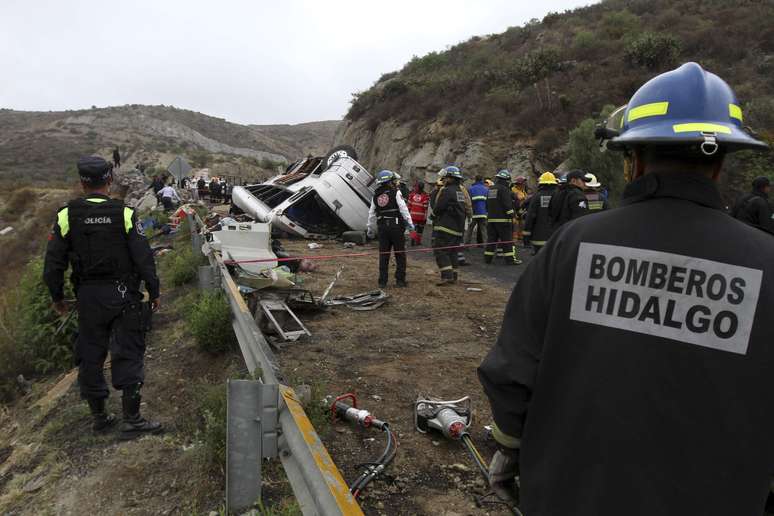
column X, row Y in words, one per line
column 385, row 176
column 504, row 174
column 685, row 107
column 452, row 171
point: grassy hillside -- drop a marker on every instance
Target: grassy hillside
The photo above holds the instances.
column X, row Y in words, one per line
column 539, row 81
column 37, row 147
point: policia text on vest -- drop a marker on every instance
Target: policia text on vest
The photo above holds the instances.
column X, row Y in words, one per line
column 677, row 297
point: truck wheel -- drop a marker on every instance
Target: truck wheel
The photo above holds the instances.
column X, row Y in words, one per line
column 338, row 152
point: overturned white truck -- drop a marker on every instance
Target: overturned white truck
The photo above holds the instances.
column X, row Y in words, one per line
column 315, row 197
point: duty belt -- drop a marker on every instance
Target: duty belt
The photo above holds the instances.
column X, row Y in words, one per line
column 388, row 220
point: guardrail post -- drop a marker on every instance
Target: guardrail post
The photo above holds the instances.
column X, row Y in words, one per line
column 244, row 436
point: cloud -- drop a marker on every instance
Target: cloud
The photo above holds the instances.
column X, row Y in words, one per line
column 250, row 61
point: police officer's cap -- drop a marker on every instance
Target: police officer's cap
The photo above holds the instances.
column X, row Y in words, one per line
column 759, row 183
column 94, row 169
column 576, row 174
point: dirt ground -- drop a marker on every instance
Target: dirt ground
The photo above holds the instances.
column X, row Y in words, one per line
column 427, row 340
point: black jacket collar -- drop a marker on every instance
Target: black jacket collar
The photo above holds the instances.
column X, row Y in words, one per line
column 689, row 186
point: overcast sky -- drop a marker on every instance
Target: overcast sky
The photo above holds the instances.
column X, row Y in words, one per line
column 249, row 61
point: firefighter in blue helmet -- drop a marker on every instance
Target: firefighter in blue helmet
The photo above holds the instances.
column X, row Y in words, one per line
column 632, row 372
column 500, row 209
column 450, row 207
column 388, row 217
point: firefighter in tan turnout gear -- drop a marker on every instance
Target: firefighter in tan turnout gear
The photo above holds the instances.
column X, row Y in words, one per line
column 633, row 371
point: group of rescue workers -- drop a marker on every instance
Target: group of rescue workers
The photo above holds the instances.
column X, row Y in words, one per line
column 496, row 214
column 632, row 373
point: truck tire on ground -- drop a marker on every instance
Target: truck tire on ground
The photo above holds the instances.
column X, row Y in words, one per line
column 338, row 151
column 358, row 237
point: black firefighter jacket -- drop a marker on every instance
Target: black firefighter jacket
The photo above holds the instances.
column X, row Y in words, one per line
column 754, row 209
column 636, row 361
column 537, row 224
column 567, row 204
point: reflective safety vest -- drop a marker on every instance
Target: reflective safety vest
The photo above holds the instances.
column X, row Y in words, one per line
column 417, row 206
column 97, row 229
column 597, row 201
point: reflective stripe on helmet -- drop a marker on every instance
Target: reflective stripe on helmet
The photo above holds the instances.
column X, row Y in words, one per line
column 646, row 110
column 701, row 127
column 735, row 112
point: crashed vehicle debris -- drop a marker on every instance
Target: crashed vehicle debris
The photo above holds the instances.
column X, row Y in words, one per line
column 315, row 197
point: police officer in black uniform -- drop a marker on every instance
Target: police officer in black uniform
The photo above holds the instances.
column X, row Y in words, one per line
column 449, row 212
column 570, row 202
column 499, row 225
column 389, row 217
column 633, row 370
column 753, row 208
column 104, row 243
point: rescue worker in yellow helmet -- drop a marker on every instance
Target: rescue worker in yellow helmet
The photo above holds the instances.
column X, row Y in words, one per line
column 537, row 223
column 632, row 373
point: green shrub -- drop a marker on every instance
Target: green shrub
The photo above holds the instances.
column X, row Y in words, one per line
column 653, row 51
column 210, row 323
column 180, row 266
column 585, row 40
column 585, row 154
column 212, row 406
column 27, row 327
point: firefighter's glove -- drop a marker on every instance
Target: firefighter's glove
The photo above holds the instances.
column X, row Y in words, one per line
column 503, row 471
column 370, row 234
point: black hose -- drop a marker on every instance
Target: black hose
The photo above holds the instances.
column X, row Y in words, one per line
column 375, row 468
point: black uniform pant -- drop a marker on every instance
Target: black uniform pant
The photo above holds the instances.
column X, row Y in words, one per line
column 446, row 259
column 109, row 320
column 391, row 239
column 497, row 234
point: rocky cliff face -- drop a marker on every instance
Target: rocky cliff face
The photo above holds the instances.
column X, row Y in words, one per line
column 418, row 151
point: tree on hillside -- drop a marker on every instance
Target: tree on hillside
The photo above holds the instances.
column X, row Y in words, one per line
column 586, row 155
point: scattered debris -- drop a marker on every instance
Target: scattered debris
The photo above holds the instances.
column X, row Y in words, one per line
column 6, row 230
column 272, row 308
column 364, row 301
column 474, row 289
column 349, row 245
column 314, row 245
column 245, row 242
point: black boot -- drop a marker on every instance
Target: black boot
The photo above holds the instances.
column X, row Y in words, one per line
column 102, row 420
column 401, row 283
column 134, row 425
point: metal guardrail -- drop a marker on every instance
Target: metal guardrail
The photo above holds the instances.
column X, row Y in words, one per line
column 317, row 483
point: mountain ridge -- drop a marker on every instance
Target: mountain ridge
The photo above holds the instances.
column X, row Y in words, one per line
column 40, row 146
